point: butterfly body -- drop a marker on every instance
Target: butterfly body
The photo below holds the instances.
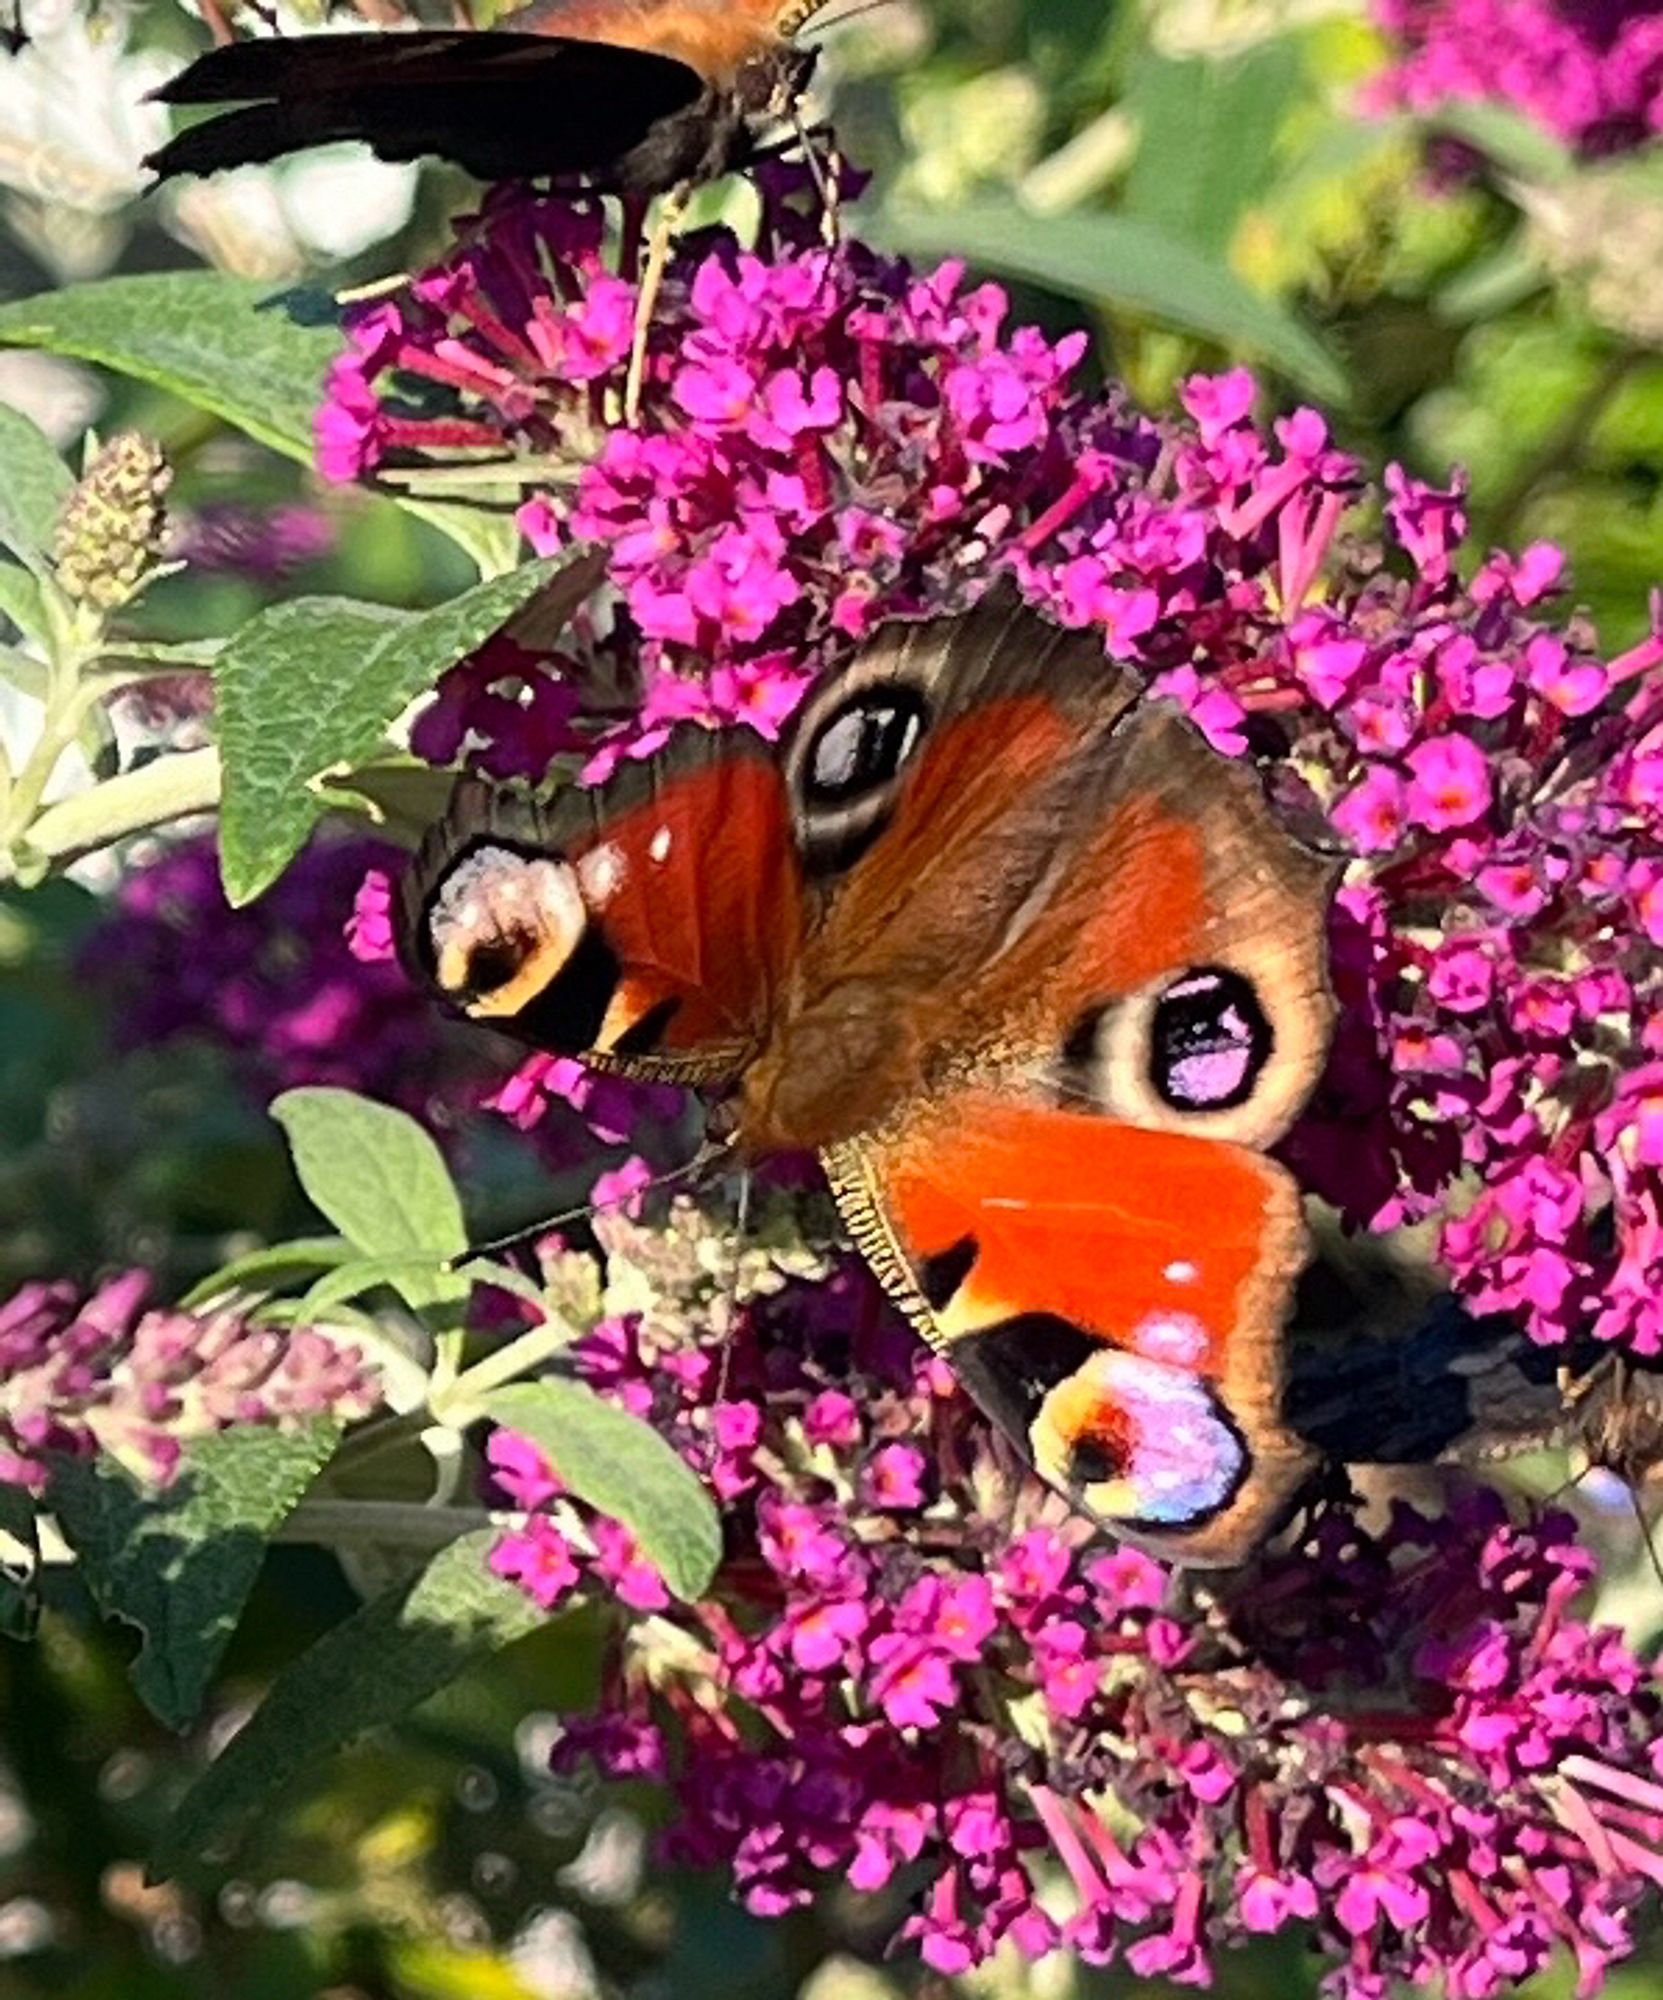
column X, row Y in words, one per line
column 637, row 96
column 1028, row 965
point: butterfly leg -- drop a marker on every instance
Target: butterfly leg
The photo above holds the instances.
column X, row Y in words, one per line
column 670, row 212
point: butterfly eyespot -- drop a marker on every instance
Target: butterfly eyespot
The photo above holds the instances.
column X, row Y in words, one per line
column 491, row 966
column 862, row 748
column 1208, row 1041
column 502, row 926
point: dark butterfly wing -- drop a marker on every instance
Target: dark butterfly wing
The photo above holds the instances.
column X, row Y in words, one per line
column 502, row 105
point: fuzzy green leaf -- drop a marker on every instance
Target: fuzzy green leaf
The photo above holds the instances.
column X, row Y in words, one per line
column 312, row 686
column 273, row 1268
column 387, row 1657
column 34, row 484
column 377, row 1176
column 179, row 1564
column 1206, row 127
column 1126, row 262
column 621, row 1467
column 231, row 346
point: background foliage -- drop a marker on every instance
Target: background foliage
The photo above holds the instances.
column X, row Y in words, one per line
column 1193, row 179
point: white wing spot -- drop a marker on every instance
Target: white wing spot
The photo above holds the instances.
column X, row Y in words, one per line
column 602, row 872
column 1181, row 1273
column 659, row 846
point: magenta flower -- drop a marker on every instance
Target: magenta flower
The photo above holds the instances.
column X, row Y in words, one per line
column 1407, row 1744
column 1403, row 1741
column 1592, row 75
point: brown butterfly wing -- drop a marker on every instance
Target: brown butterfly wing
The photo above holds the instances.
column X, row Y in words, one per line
column 503, row 105
column 1101, row 965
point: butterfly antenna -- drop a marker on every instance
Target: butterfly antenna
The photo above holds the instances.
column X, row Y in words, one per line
column 670, row 211
column 825, row 184
column 1647, row 1535
column 820, row 21
column 708, row 1154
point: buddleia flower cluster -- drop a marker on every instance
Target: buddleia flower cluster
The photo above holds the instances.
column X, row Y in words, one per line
column 916, row 1674
column 921, row 1678
column 828, row 437
column 107, row 1372
column 278, row 985
column 1591, row 75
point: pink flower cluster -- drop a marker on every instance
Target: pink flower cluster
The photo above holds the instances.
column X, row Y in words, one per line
column 103, row 1373
column 1592, row 74
column 953, row 1696
column 827, row 438
column 276, row 985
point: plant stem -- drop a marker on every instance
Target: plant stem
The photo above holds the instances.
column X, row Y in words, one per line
column 167, row 788
column 519, row 1357
column 397, row 1523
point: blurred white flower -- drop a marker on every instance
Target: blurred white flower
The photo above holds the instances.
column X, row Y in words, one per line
column 61, row 397
column 341, row 200
column 273, row 222
column 74, row 126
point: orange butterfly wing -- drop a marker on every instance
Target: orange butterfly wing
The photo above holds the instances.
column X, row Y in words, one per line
column 1072, row 1202
column 647, row 925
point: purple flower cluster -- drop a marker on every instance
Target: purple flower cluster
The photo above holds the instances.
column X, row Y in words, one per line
column 911, row 1678
column 84, row 1374
column 277, row 986
column 827, row 438
column 1592, row 74
column 953, row 1696
column 264, row 544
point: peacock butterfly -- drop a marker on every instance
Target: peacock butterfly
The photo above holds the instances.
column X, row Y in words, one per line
column 1032, row 968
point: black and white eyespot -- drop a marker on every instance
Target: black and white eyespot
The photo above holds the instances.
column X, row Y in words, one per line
column 847, row 756
column 1208, row 1041
column 862, row 747
column 1197, row 1051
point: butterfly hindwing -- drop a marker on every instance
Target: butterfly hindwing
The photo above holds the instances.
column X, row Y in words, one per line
column 1112, row 975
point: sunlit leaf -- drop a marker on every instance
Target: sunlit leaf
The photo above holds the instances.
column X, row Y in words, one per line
column 621, row 1467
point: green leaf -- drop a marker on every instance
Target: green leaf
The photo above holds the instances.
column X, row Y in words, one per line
column 286, row 707
column 1206, row 128
column 419, row 1281
column 399, row 796
column 614, row 1462
column 34, row 484
column 231, row 346
column 180, row 1564
column 382, row 1661
column 1509, row 140
column 315, row 684
column 270, row 1269
column 173, row 786
column 491, row 539
column 1127, row 263
column 375, row 1174
column 20, row 600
